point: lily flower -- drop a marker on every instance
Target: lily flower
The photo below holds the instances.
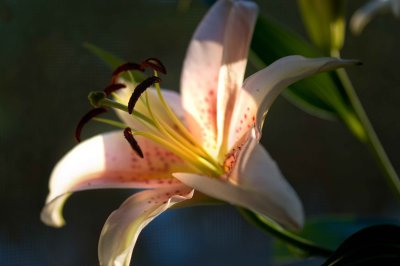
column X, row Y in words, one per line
column 364, row 14
column 202, row 142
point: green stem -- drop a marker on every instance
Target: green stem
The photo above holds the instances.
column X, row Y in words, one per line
column 371, row 138
column 280, row 233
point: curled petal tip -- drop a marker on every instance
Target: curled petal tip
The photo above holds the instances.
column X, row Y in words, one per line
column 350, row 62
column 51, row 214
column 353, row 62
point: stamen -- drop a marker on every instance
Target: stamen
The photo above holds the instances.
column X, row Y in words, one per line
column 155, row 64
column 123, row 68
column 135, row 146
column 139, row 90
column 86, row 118
column 113, row 87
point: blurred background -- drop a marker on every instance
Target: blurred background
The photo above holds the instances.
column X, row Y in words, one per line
column 46, row 74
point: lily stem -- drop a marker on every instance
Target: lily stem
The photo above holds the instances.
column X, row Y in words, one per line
column 372, row 139
column 275, row 230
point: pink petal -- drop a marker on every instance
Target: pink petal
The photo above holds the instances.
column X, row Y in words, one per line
column 261, row 89
column 215, row 44
column 239, row 31
column 255, row 183
column 107, row 161
column 124, row 225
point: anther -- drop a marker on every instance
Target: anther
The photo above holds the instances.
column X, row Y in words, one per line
column 155, row 64
column 113, row 87
column 135, row 146
column 139, row 90
column 123, row 68
column 86, row 118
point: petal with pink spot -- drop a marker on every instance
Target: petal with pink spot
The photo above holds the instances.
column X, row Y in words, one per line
column 107, row 161
column 238, row 33
column 199, row 80
column 261, row 89
column 254, row 182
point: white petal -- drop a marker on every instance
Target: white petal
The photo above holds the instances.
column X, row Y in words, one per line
column 255, row 183
column 199, row 79
column 364, row 15
column 238, row 33
column 107, row 161
column 124, row 225
column 261, row 89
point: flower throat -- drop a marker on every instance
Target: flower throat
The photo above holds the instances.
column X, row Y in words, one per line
column 174, row 136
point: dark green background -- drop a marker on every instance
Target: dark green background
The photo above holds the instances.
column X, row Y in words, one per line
column 46, row 74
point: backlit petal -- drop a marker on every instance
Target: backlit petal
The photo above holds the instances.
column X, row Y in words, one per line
column 199, row 81
column 123, row 226
column 261, row 89
column 107, row 161
column 238, row 33
column 255, row 183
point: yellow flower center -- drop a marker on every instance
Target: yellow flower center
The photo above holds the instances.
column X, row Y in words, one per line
column 174, row 136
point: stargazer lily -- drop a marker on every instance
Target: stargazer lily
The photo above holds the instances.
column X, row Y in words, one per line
column 365, row 13
column 202, row 142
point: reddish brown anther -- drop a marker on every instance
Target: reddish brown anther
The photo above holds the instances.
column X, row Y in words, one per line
column 86, row 118
column 123, row 68
column 113, row 87
column 135, row 146
column 155, row 64
column 139, row 90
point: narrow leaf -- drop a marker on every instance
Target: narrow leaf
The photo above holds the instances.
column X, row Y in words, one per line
column 325, row 23
column 113, row 62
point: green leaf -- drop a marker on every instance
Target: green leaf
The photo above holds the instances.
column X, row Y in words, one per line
column 318, row 95
column 113, row 62
column 325, row 23
column 375, row 245
column 327, row 231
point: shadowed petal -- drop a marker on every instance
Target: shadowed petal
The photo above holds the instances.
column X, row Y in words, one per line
column 238, row 33
column 123, row 226
column 255, row 183
column 201, row 70
column 107, row 161
column 261, row 89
